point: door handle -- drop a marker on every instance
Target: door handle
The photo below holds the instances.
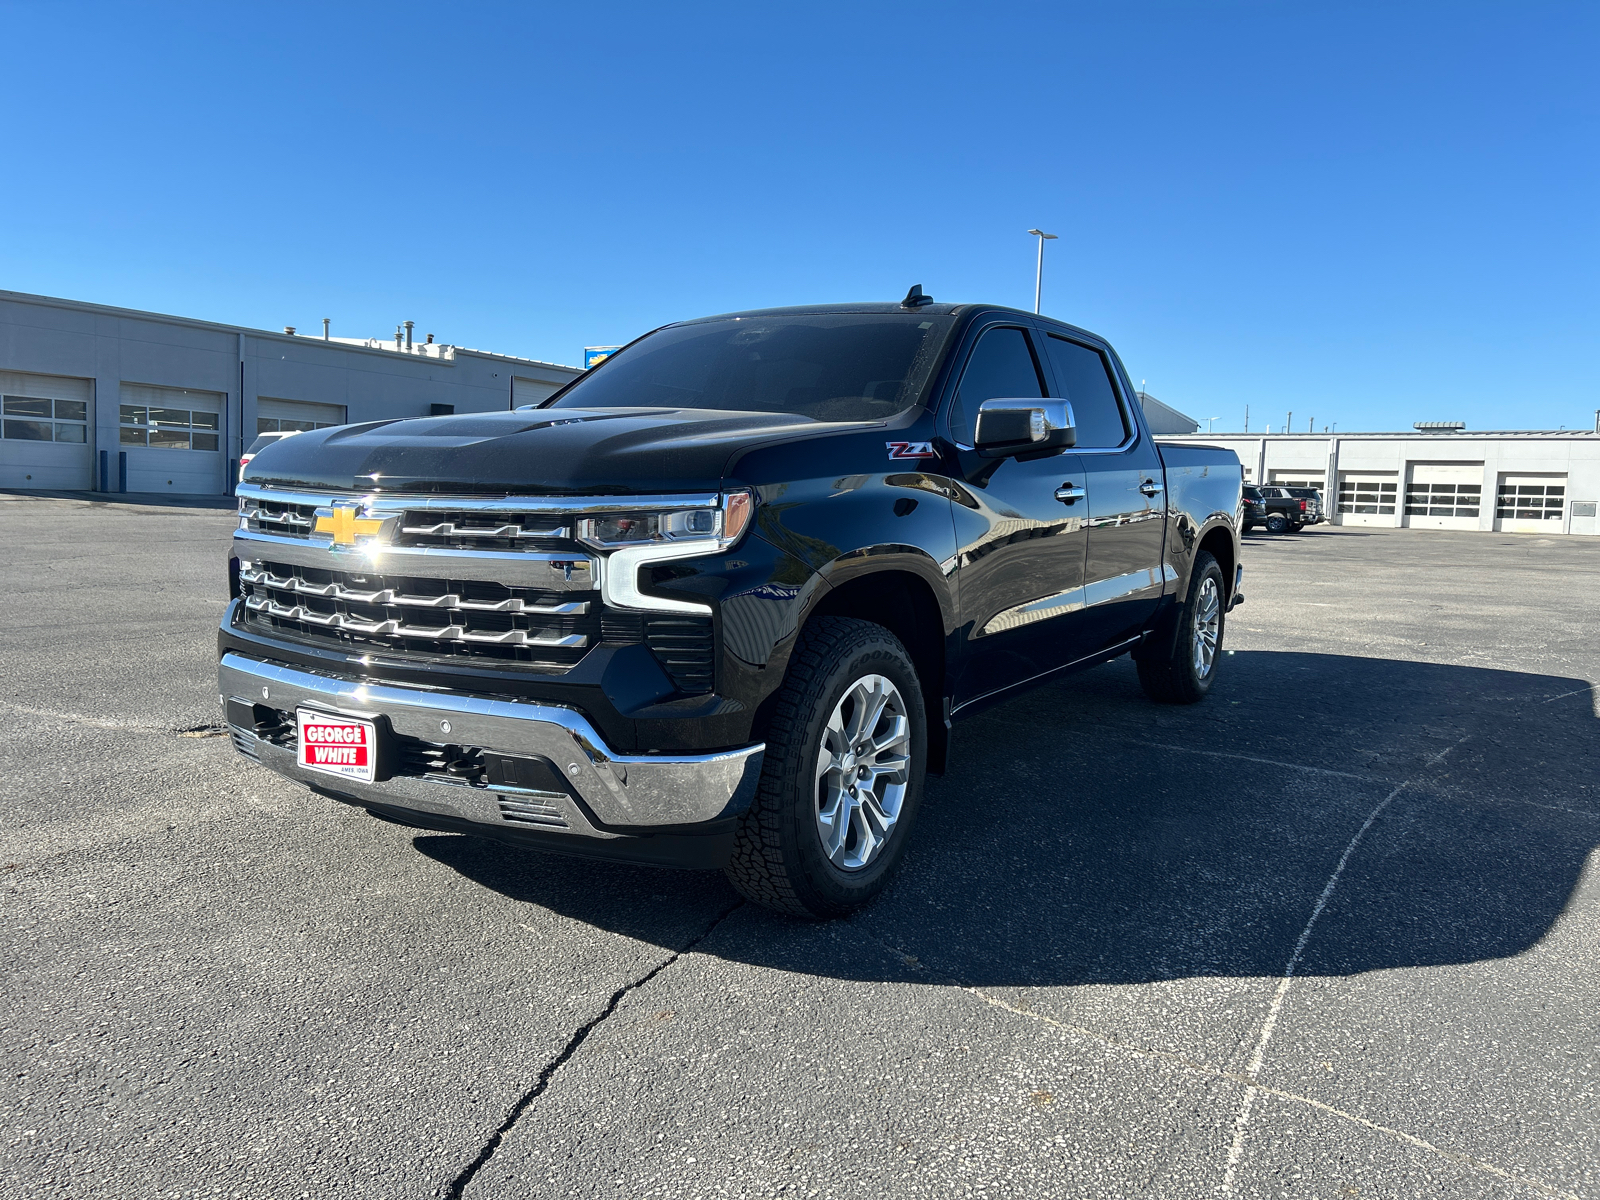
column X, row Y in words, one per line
column 1068, row 494
column 1150, row 488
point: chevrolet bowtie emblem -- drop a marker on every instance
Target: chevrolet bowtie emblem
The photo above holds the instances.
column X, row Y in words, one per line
column 344, row 525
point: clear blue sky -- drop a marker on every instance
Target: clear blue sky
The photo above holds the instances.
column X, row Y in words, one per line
column 1367, row 213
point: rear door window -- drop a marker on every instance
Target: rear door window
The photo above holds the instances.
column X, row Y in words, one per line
column 1083, row 378
column 1001, row 366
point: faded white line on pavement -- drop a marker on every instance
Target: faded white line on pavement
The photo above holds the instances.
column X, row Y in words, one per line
column 1252, row 1072
column 1214, row 1072
column 1266, row 762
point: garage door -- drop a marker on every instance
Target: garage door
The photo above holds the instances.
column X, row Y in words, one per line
column 1312, row 479
column 46, row 432
column 1530, row 503
column 274, row 415
column 533, row 391
column 173, row 439
column 1367, row 499
column 1444, row 496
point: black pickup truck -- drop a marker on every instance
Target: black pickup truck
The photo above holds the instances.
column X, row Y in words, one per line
column 718, row 601
column 1281, row 509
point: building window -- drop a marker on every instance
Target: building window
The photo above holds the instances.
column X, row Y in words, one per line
column 1443, row 499
column 168, row 428
column 1530, row 501
column 32, row 419
column 1367, row 496
column 284, row 425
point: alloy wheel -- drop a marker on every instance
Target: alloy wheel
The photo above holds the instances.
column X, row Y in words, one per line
column 863, row 769
column 1207, row 626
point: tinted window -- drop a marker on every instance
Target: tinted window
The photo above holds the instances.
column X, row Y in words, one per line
column 840, row 367
column 1001, row 365
column 1084, row 379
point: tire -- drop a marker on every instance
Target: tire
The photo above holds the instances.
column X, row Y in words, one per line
column 789, row 853
column 1277, row 523
column 1295, row 526
column 1187, row 673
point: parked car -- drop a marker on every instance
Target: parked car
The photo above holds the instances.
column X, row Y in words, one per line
column 1316, row 510
column 1254, row 508
column 1284, row 513
column 717, row 602
column 263, row 440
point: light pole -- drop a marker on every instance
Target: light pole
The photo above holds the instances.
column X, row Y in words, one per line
column 1211, row 421
column 1038, row 276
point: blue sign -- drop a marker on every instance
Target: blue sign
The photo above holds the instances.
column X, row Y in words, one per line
column 597, row 354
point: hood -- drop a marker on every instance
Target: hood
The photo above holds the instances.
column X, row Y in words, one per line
column 553, row 451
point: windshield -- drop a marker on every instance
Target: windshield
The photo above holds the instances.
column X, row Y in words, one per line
column 838, row 367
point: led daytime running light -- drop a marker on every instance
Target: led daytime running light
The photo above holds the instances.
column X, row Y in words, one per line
column 635, row 540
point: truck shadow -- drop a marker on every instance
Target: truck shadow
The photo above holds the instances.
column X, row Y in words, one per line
column 1084, row 835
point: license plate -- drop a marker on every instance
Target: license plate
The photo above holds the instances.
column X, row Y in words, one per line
column 340, row 746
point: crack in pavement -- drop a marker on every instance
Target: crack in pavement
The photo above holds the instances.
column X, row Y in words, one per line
column 205, row 729
column 459, row 1184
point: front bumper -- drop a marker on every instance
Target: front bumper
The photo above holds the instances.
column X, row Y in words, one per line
column 588, row 793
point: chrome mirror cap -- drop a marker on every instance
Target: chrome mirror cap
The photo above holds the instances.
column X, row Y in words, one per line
column 1011, row 426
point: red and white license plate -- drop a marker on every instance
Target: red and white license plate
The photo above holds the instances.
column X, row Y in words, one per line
column 340, row 746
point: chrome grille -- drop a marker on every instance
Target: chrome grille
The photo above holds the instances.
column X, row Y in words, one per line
column 427, row 616
column 441, row 577
column 481, row 530
column 260, row 515
column 423, row 526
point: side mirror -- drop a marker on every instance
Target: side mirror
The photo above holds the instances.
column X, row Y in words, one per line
column 1024, row 428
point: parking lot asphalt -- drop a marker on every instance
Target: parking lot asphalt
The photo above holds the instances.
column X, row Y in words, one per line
column 1334, row 932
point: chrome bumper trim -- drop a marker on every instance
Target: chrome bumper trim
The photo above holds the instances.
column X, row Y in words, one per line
column 620, row 790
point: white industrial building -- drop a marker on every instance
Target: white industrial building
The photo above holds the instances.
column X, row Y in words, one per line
column 110, row 399
column 1514, row 481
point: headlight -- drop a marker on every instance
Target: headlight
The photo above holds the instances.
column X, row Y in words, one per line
column 713, row 528
column 633, row 540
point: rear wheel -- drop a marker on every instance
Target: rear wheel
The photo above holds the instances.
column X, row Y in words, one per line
column 1277, row 523
column 842, row 775
column 1186, row 673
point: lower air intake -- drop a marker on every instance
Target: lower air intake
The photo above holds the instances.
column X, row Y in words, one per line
column 533, row 810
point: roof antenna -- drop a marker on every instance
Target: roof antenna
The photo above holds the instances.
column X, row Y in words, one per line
column 915, row 298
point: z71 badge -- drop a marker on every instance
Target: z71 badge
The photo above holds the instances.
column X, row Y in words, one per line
column 900, row 450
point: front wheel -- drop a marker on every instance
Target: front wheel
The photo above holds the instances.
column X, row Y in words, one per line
column 1186, row 673
column 841, row 777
